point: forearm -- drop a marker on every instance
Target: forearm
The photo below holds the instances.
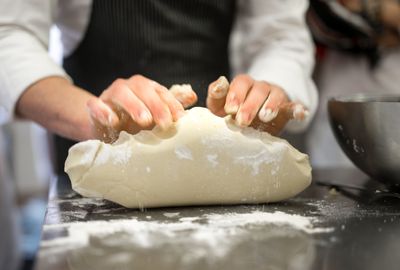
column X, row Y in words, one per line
column 57, row 105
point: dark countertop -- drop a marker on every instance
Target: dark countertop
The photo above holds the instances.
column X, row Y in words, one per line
column 326, row 228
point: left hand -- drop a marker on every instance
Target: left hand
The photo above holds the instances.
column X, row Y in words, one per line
column 257, row 103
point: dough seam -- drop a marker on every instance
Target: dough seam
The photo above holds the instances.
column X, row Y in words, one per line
column 90, row 166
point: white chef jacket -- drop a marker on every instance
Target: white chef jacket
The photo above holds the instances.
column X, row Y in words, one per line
column 270, row 42
column 9, row 241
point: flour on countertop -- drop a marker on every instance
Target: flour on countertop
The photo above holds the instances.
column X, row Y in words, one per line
column 217, row 232
column 171, row 215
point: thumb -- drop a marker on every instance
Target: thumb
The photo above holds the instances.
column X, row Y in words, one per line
column 216, row 96
column 104, row 121
column 184, row 94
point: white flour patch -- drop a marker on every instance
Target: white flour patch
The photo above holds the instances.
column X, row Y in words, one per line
column 171, row 215
column 212, row 158
column 218, row 140
column 121, row 155
column 88, row 151
column 117, row 154
column 255, row 160
column 182, row 152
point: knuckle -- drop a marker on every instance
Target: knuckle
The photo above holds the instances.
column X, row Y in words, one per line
column 105, row 93
column 159, row 90
column 91, row 102
column 137, row 77
column 116, row 86
column 243, row 77
column 118, row 90
column 264, row 85
column 118, row 82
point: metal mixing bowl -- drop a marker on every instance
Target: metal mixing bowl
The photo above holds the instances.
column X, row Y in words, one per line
column 367, row 128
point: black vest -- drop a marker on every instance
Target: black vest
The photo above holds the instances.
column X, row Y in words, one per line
column 169, row 41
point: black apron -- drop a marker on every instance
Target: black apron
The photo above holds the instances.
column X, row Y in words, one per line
column 169, row 41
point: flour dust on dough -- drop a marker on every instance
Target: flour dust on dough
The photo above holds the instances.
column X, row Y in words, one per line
column 202, row 160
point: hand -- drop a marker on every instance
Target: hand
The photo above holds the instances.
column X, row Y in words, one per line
column 132, row 105
column 257, row 103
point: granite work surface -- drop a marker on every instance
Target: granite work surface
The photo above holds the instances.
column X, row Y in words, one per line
column 342, row 221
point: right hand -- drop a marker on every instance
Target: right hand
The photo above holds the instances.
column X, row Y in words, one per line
column 258, row 104
column 132, row 105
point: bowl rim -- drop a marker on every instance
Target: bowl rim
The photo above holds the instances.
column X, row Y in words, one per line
column 366, row 98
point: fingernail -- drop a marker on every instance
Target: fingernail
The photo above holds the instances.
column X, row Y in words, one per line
column 110, row 119
column 220, row 88
column 145, row 117
column 299, row 112
column 231, row 108
column 104, row 119
column 165, row 124
column 241, row 120
column 106, row 116
column 267, row 115
column 231, row 105
column 216, row 92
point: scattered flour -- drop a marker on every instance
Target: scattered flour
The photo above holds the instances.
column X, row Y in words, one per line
column 182, row 152
column 216, row 232
column 255, row 160
column 171, row 215
column 119, row 154
column 212, row 158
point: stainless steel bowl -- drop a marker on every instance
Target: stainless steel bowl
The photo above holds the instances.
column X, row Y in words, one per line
column 367, row 128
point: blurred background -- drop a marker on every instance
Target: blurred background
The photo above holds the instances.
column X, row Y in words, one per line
column 26, row 161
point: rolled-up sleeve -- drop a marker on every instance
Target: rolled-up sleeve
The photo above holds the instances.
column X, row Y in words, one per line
column 271, row 42
column 24, row 38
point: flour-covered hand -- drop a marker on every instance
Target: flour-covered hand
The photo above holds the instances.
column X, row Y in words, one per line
column 260, row 104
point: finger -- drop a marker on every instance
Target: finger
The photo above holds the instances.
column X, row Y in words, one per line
column 238, row 90
column 254, row 100
column 273, row 104
column 105, row 122
column 175, row 107
column 273, row 127
column 123, row 98
column 101, row 112
column 287, row 111
column 293, row 110
column 299, row 112
column 184, row 94
column 216, row 95
column 219, row 88
column 146, row 91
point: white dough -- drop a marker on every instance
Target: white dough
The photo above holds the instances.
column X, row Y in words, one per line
column 203, row 159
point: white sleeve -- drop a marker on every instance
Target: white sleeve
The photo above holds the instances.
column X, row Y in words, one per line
column 24, row 38
column 271, row 42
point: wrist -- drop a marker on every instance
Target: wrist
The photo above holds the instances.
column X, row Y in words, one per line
column 57, row 105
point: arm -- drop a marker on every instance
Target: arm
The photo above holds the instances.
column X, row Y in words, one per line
column 271, row 43
column 58, row 105
column 24, row 34
column 33, row 87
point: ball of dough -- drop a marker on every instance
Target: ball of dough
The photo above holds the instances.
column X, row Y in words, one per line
column 202, row 160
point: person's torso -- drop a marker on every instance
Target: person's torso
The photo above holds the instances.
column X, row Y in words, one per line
column 169, row 41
